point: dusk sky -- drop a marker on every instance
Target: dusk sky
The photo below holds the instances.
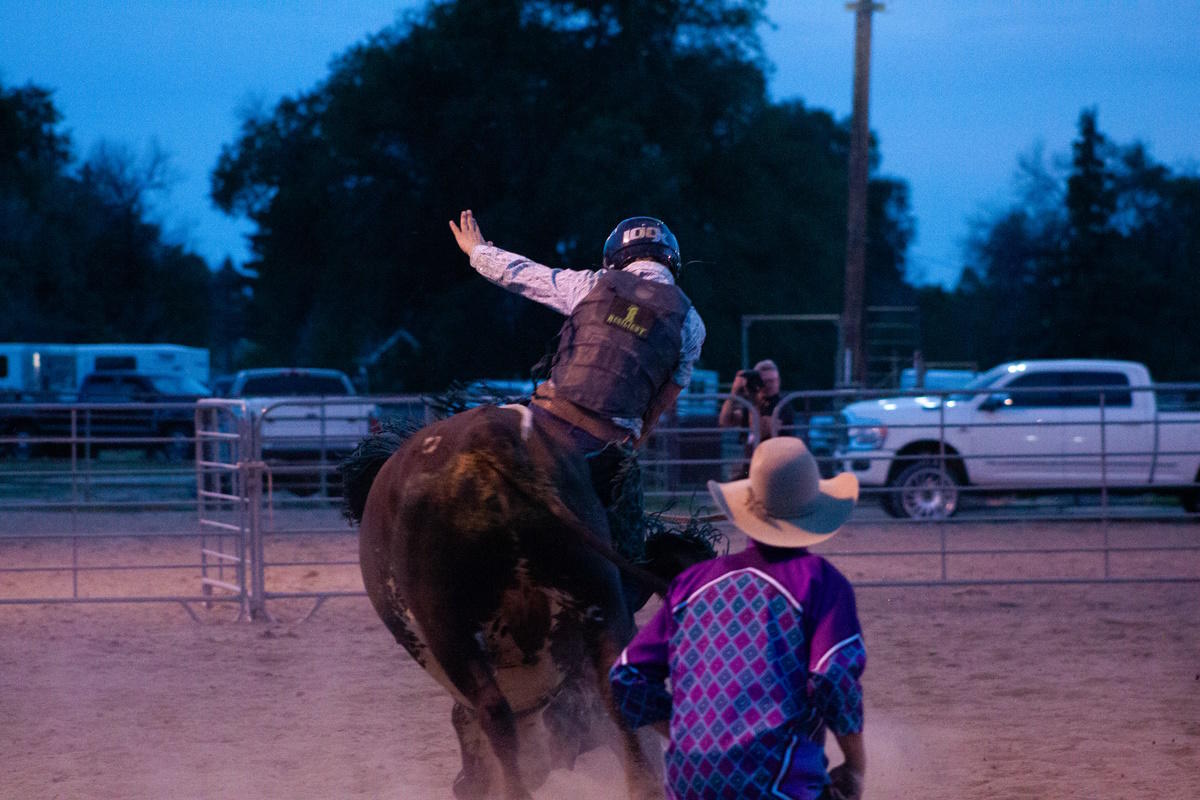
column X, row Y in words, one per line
column 960, row 89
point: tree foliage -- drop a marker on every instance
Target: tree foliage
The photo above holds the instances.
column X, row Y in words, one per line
column 552, row 120
column 1101, row 259
column 79, row 259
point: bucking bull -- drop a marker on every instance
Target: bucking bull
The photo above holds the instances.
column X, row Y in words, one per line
column 486, row 552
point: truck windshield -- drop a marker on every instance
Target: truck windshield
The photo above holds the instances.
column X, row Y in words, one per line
column 179, row 384
column 976, row 387
column 292, row 386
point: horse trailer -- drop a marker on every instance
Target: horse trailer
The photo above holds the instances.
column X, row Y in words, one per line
column 52, row 372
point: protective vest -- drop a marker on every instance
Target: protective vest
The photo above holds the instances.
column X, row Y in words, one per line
column 620, row 345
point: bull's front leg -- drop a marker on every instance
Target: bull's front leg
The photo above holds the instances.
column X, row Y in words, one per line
column 641, row 752
column 478, row 771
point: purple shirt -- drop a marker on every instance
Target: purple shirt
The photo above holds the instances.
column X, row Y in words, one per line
column 763, row 652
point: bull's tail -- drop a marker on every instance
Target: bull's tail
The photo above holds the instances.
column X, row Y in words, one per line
column 359, row 469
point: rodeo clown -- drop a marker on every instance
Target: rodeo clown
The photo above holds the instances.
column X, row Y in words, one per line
column 625, row 352
column 754, row 655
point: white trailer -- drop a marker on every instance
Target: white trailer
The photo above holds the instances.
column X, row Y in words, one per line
column 51, row 371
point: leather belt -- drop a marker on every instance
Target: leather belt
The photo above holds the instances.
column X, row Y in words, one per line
column 599, row 427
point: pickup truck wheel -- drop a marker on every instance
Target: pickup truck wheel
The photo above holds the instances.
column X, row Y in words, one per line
column 923, row 490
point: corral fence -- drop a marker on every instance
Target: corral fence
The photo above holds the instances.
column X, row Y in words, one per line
column 91, row 519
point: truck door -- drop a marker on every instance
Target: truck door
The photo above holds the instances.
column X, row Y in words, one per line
column 1122, row 451
column 1019, row 440
column 142, row 421
column 98, row 422
column 116, row 422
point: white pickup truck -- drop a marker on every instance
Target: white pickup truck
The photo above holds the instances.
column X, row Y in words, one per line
column 1066, row 425
column 303, row 414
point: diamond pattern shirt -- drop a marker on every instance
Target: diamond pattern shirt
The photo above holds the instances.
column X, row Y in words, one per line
column 751, row 658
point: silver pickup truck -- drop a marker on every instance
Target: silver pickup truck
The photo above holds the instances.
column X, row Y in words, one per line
column 307, row 417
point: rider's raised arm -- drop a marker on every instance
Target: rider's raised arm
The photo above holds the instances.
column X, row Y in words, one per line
column 560, row 289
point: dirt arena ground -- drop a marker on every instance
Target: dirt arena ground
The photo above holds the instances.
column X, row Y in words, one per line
column 997, row 692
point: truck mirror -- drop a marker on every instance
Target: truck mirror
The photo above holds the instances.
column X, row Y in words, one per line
column 996, row 401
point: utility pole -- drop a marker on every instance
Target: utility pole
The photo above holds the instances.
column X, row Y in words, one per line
column 854, row 366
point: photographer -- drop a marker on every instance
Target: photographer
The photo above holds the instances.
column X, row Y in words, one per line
column 759, row 386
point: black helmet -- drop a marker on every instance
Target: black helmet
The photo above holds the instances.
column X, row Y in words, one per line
column 640, row 238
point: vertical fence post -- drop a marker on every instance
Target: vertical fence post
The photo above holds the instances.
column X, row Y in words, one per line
column 255, row 467
column 1104, row 482
column 254, row 543
column 944, row 479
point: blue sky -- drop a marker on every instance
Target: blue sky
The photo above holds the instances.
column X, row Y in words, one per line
column 959, row 88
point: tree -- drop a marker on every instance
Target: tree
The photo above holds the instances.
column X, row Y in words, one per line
column 33, row 154
column 552, row 120
column 1099, row 261
column 32, row 151
column 230, row 298
column 79, row 260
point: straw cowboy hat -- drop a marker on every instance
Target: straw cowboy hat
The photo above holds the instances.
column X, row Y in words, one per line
column 784, row 502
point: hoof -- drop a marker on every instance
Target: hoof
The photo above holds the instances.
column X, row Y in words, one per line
column 469, row 788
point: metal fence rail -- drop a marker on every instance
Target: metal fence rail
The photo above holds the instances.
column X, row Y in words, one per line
column 98, row 521
column 1098, row 464
column 302, row 501
column 1037, row 551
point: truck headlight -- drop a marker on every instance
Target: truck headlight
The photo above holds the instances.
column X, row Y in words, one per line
column 866, row 435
